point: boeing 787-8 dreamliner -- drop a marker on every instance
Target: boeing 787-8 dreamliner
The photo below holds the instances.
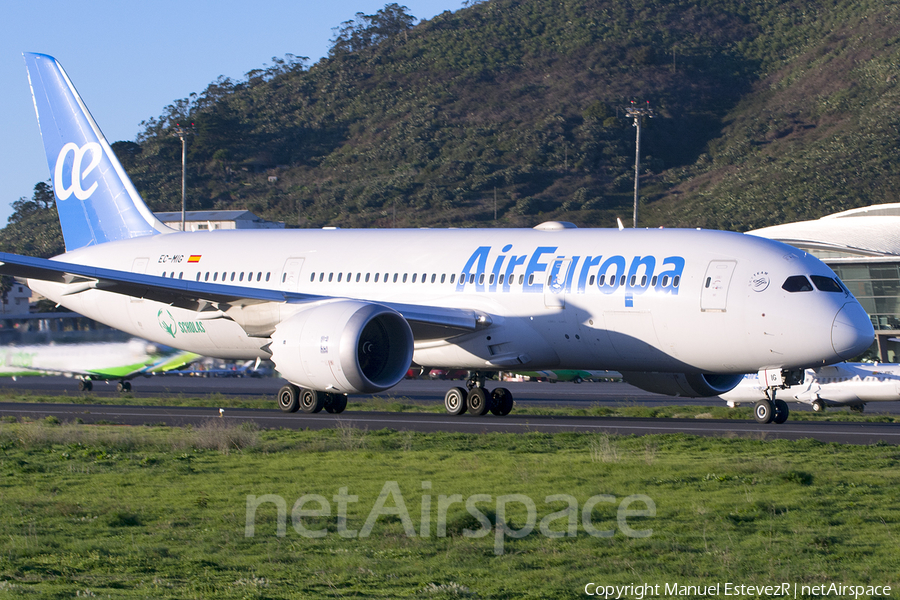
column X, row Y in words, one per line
column 339, row 312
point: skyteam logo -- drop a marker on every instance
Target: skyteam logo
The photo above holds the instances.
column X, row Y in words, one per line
column 69, row 177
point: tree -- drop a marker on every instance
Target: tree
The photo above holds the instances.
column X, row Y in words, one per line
column 365, row 31
column 33, row 228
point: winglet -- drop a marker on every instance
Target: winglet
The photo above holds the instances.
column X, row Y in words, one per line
column 95, row 198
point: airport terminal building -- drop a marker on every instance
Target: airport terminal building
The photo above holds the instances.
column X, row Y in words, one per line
column 863, row 247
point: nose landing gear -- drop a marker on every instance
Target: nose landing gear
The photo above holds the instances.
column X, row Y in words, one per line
column 772, row 410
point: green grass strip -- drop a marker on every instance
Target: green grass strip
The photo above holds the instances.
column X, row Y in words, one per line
column 154, row 512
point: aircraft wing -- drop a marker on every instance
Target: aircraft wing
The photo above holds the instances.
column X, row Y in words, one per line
column 427, row 322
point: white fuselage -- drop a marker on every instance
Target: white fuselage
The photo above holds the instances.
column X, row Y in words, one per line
column 680, row 300
column 118, row 358
column 850, row 384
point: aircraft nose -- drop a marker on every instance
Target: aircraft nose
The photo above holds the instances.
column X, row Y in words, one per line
column 852, row 332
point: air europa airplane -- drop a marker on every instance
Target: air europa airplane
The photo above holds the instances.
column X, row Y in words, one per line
column 684, row 312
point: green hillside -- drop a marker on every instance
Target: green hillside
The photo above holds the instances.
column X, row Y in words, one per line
column 767, row 112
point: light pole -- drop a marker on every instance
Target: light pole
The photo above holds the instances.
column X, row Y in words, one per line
column 180, row 132
column 637, row 112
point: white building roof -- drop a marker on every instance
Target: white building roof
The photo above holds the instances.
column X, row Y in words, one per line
column 869, row 231
column 207, row 215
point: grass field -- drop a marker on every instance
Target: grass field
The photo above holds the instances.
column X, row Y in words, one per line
column 152, row 512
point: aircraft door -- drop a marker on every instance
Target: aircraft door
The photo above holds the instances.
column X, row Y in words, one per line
column 557, row 282
column 134, row 306
column 290, row 275
column 714, row 294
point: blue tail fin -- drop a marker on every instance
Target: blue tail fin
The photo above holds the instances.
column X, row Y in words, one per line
column 96, row 200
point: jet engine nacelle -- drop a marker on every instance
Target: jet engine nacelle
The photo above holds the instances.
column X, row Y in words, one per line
column 690, row 385
column 344, row 346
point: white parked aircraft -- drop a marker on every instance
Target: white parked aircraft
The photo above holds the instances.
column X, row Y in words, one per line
column 685, row 312
column 89, row 362
column 843, row 384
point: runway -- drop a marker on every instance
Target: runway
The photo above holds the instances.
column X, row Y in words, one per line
column 531, row 393
column 585, row 394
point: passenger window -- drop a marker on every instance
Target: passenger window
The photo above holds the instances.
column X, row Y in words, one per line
column 797, row 283
column 521, row 279
column 622, row 281
column 241, row 276
column 481, row 279
column 404, row 278
column 358, row 275
column 472, row 278
column 330, row 277
column 676, row 280
column 340, row 275
column 491, row 280
column 321, row 278
column 602, row 280
column 312, row 277
column 206, row 278
column 181, row 275
column 531, row 279
column 591, row 280
column 413, row 279
column 164, row 274
column 395, row 278
column 267, row 275
column 500, row 280
column 232, row 276
column 198, row 276
column 826, row 284
column 452, row 277
column 653, row 281
column 367, row 277
column 434, row 276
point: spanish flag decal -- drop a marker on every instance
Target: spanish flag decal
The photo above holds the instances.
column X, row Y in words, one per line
column 195, row 258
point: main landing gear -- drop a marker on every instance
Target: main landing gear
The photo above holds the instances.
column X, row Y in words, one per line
column 477, row 400
column 87, row 385
column 292, row 398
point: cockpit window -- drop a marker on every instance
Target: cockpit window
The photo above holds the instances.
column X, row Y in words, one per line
column 797, row 283
column 826, row 284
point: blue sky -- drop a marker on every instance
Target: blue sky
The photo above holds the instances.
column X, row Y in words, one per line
column 130, row 59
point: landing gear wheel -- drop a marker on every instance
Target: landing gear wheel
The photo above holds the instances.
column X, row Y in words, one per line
column 335, row 403
column 289, row 398
column 311, row 401
column 781, row 412
column 85, row 385
column 477, row 401
column 455, row 401
column 818, row 406
column 502, row 402
column 763, row 411
column 123, row 386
